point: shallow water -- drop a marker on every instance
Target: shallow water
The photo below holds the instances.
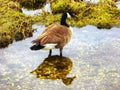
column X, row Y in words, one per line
column 38, row 11
column 118, row 4
column 95, row 55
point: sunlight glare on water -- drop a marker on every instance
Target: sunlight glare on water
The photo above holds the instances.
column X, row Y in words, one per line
column 94, row 53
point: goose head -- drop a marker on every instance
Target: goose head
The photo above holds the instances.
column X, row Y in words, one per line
column 66, row 15
column 70, row 14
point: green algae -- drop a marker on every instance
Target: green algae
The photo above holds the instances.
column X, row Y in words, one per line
column 62, row 6
column 103, row 14
column 47, row 18
column 12, row 23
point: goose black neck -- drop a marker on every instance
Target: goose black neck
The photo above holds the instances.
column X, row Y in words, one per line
column 63, row 20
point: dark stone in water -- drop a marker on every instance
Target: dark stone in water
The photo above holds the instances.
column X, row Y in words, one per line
column 101, row 26
column 19, row 36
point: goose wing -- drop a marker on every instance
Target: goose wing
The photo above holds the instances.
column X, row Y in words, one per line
column 55, row 34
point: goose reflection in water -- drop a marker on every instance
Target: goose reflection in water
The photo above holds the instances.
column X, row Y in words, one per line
column 55, row 67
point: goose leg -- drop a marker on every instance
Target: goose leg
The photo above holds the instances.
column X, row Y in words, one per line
column 61, row 52
column 50, row 52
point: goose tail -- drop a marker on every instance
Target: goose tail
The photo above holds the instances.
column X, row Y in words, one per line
column 36, row 47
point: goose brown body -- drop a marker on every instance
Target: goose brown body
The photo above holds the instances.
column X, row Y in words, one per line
column 54, row 34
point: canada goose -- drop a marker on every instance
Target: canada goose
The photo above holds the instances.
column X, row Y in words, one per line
column 54, row 36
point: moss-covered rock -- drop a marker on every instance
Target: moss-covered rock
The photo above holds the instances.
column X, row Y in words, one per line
column 5, row 40
column 14, row 6
column 103, row 14
column 63, row 6
column 12, row 21
column 32, row 4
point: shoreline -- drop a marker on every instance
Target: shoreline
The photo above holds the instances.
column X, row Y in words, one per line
column 15, row 25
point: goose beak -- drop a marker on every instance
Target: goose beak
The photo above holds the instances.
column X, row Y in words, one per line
column 71, row 14
column 74, row 16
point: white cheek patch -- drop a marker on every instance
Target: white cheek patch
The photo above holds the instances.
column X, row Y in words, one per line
column 68, row 15
column 49, row 46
